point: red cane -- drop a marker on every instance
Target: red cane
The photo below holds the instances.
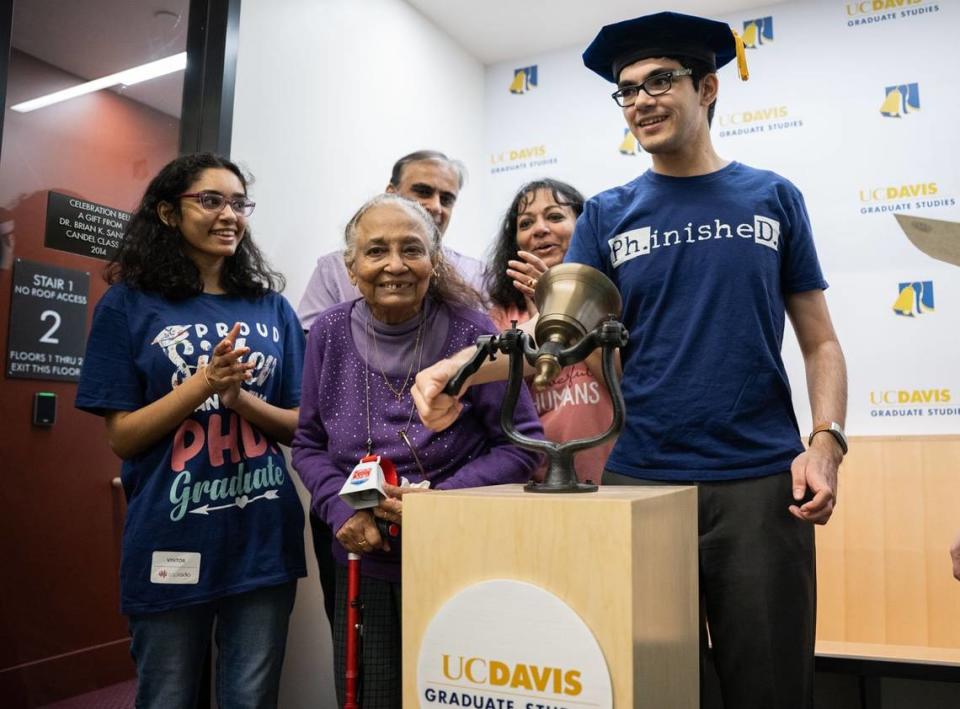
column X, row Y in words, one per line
column 354, row 621
column 353, row 632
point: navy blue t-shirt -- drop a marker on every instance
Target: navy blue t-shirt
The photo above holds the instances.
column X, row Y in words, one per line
column 703, row 265
column 212, row 510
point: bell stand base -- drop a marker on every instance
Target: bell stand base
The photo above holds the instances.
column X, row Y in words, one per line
column 559, row 487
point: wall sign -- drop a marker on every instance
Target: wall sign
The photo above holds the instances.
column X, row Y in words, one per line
column 510, row 645
column 48, row 322
column 83, row 227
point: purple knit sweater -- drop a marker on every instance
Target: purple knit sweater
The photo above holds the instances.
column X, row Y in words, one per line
column 332, row 432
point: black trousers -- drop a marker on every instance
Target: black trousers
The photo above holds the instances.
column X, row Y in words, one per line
column 322, row 539
column 757, row 591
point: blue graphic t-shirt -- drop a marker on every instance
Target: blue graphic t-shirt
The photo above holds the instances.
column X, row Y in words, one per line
column 703, row 265
column 212, row 510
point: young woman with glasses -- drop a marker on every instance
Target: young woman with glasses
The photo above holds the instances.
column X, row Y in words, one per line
column 194, row 361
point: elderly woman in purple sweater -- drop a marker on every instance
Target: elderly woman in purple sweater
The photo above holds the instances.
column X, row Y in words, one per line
column 362, row 357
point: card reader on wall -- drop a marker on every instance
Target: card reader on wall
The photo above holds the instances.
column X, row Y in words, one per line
column 44, row 408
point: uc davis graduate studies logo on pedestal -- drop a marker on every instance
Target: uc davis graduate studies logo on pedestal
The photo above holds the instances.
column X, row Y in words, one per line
column 479, row 651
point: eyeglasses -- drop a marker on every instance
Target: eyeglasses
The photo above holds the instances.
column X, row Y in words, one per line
column 215, row 202
column 654, row 86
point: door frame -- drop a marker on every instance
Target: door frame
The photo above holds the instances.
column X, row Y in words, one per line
column 206, row 115
column 206, row 111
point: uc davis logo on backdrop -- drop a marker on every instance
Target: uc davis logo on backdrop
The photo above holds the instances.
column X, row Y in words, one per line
column 757, row 32
column 762, row 119
column 524, row 79
column 899, row 403
column 629, row 145
column 900, row 100
column 914, row 298
column 512, row 159
column 892, row 198
column 862, row 13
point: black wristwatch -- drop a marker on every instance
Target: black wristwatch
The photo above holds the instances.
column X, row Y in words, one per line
column 834, row 429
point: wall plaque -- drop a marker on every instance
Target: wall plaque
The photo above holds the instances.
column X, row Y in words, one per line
column 83, row 227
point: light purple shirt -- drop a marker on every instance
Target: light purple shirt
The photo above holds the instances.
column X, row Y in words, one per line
column 330, row 284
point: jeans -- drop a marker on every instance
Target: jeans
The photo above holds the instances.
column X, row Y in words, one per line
column 251, row 634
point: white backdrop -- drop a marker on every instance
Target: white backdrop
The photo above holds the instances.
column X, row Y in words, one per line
column 811, row 111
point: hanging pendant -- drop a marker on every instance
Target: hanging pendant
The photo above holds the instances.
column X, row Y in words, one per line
column 413, row 451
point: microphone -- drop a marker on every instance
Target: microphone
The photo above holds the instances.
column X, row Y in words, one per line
column 363, row 489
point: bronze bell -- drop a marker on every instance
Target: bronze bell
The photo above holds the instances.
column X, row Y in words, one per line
column 573, row 299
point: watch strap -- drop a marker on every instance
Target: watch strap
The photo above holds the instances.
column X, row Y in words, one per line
column 834, row 429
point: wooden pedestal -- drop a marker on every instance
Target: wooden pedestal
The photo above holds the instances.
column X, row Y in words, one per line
column 623, row 558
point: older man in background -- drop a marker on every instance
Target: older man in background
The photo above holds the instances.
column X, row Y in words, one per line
column 426, row 176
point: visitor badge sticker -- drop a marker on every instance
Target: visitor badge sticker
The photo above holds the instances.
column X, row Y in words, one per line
column 510, row 645
column 175, row 567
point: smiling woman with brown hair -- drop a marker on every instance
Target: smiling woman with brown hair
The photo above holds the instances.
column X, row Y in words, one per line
column 534, row 235
column 362, row 357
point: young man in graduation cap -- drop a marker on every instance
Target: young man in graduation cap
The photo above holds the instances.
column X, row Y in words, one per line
column 709, row 256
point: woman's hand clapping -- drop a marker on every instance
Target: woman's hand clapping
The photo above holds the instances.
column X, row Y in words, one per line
column 225, row 372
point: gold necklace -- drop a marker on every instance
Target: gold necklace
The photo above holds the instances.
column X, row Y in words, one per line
column 418, row 358
column 417, row 354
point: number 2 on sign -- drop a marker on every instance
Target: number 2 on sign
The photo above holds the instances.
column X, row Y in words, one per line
column 48, row 337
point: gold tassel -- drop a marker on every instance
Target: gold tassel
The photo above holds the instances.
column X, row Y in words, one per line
column 741, row 56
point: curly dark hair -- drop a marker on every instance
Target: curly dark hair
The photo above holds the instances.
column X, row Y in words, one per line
column 499, row 285
column 151, row 256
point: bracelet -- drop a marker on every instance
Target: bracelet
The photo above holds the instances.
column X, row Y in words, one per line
column 207, row 378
